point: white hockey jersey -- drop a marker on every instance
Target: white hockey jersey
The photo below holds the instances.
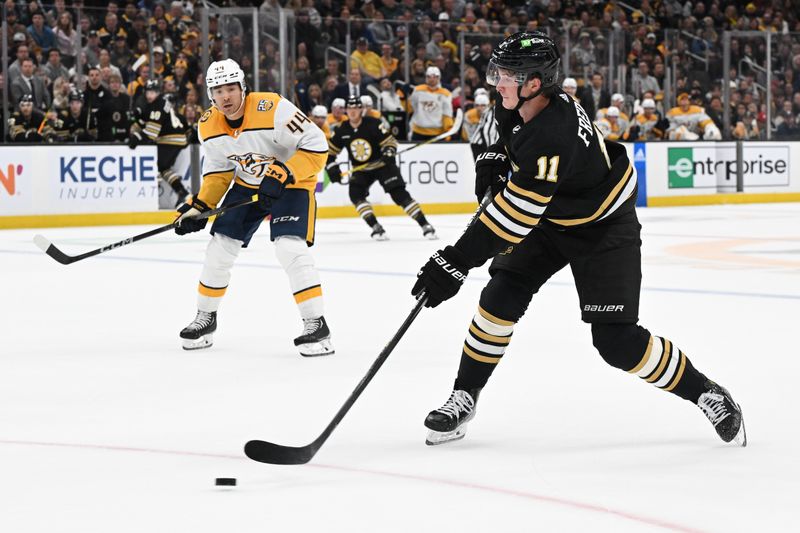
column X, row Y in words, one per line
column 432, row 110
column 272, row 129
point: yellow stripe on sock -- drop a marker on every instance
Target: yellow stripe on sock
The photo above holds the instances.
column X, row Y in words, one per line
column 210, row 291
column 307, row 294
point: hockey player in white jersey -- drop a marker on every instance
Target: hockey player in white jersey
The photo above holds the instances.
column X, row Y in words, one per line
column 263, row 144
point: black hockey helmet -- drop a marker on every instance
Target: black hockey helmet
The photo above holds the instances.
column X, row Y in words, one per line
column 74, row 95
column 152, row 85
column 26, row 98
column 354, row 101
column 527, row 54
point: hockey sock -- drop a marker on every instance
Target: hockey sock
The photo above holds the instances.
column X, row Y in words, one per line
column 654, row 359
column 174, row 180
column 295, row 258
column 365, row 211
column 221, row 253
column 486, row 342
column 409, row 205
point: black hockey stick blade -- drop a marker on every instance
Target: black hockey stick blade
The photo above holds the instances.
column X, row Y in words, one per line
column 276, row 454
column 50, row 249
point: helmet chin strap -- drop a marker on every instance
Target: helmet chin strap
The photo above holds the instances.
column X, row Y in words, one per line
column 522, row 99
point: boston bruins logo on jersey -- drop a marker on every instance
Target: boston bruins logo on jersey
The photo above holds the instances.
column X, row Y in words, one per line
column 253, row 164
column 361, row 150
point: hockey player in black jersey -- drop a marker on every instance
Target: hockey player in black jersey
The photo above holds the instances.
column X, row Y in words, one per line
column 29, row 125
column 370, row 143
column 158, row 122
column 569, row 201
column 76, row 124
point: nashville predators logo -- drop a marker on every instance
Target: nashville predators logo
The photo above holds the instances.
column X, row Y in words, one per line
column 430, row 107
column 253, row 164
column 361, row 150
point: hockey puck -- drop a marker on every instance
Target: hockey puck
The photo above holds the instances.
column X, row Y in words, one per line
column 225, row 482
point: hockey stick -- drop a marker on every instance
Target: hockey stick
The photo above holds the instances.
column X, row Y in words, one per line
column 50, row 249
column 455, row 128
column 276, row 454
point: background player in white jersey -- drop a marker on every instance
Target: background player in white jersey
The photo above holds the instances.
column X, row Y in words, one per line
column 265, row 145
column 431, row 107
column 689, row 122
column 570, row 200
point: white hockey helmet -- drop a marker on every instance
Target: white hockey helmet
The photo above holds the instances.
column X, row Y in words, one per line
column 648, row 103
column 319, row 111
column 222, row 73
column 481, row 99
column 366, row 100
column 337, row 102
column 433, row 71
column 612, row 111
column 480, row 90
column 569, row 82
column 617, row 97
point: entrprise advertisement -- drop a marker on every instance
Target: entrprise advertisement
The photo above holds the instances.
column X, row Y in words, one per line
column 714, row 166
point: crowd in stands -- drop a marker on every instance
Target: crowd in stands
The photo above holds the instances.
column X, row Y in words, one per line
column 660, row 61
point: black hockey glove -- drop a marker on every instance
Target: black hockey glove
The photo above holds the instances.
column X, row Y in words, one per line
column 334, row 173
column 388, row 154
column 491, row 171
column 186, row 223
column 442, row 276
column 276, row 178
column 134, row 140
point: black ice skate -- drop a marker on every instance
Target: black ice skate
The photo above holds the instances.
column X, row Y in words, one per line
column 449, row 422
column 429, row 233
column 378, row 233
column 725, row 414
column 315, row 339
column 200, row 333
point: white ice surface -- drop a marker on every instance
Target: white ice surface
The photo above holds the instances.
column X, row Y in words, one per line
column 106, row 425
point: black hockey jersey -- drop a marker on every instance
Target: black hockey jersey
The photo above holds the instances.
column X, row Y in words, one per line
column 161, row 123
column 33, row 128
column 364, row 144
column 82, row 128
column 564, row 174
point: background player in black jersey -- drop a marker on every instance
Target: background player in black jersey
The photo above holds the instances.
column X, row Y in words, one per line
column 370, row 143
column 76, row 123
column 159, row 122
column 579, row 193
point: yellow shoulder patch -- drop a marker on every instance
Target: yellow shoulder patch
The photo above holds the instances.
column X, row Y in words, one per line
column 211, row 124
column 260, row 110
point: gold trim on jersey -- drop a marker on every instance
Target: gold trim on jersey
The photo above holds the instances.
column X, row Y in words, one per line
column 215, row 185
column 498, row 231
column 530, row 194
column 612, row 196
column 259, row 113
column 514, row 212
column 312, row 216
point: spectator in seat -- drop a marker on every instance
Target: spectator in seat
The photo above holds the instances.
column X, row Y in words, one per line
column 53, row 68
column 642, row 81
column 41, row 34
column 30, row 84
column 594, row 96
column 366, row 61
column 353, row 87
column 570, row 86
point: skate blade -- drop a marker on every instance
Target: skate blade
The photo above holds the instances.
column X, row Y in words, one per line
column 381, row 237
column 198, row 344
column 316, row 349
column 431, row 236
column 436, row 438
column 741, row 436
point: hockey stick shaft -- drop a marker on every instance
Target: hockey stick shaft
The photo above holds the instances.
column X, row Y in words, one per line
column 454, row 129
column 267, row 452
column 50, row 249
